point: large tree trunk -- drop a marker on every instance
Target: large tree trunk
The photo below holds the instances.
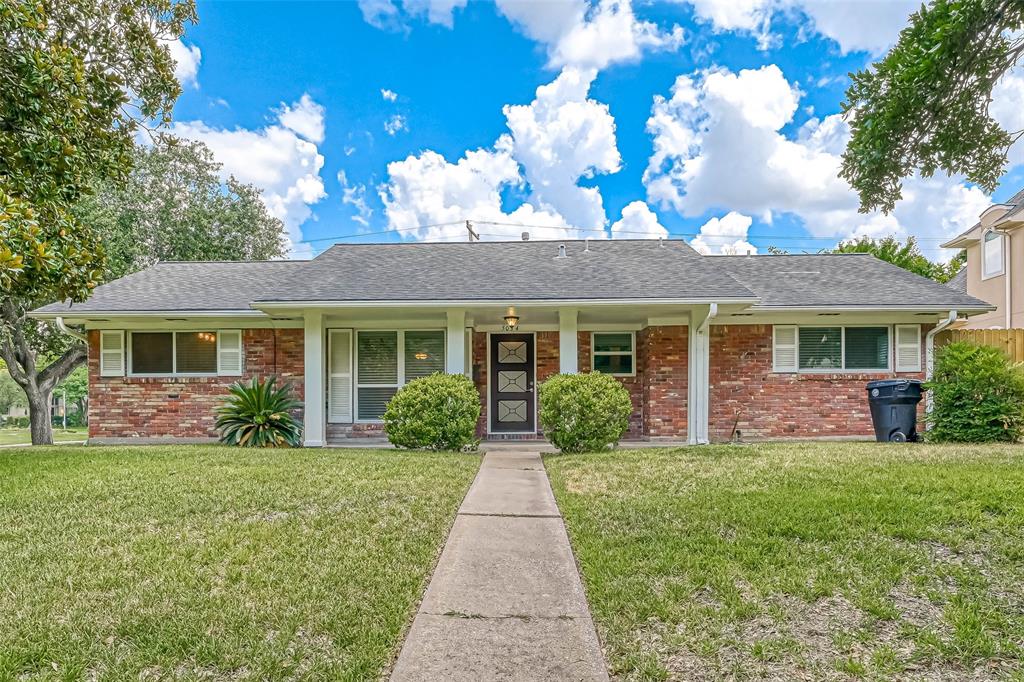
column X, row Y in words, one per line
column 38, row 384
column 39, row 419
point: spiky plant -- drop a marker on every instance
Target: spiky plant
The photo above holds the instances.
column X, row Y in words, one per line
column 257, row 415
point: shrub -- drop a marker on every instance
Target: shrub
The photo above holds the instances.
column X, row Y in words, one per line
column 584, row 412
column 437, row 412
column 977, row 396
column 258, row 415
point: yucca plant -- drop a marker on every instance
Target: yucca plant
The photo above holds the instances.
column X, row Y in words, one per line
column 257, row 415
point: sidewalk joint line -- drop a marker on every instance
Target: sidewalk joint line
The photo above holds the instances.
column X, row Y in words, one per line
column 512, row 516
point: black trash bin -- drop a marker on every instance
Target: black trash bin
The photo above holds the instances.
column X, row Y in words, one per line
column 894, row 409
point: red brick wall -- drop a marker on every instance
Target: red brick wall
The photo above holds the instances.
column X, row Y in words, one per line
column 664, row 352
column 183, row 407
column 747, row 395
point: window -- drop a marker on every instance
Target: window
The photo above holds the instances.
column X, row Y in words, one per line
column 185, row 353
column 387, row 360
column 829, row 349
column 992, row 255
column 613, row 353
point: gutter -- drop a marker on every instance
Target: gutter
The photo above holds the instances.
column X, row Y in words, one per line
column 929, row 352
column 59, row 321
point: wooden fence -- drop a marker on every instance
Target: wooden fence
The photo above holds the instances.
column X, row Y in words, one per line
column 1010, row 341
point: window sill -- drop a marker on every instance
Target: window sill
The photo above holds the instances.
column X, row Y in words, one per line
column 174, row 378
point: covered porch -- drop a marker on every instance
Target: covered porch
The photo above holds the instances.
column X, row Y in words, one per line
column 356, row 357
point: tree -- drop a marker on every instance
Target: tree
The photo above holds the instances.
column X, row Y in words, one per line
column 175, row 207
column 925, row 106
column 77, row 80
column 906, row 255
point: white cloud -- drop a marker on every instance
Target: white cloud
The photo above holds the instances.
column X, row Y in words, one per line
column 279, row 159
column 638, row 222
column 395, row 125
column 718, row 145
column 1007, row 109
column 589, row 34
column 355, row 196
column 563, row 136
column 186, row 62
column 387, row 15
column 855, row 25
column 389, row 95
column 305, row 117
column 726, row 235
column 559, row 138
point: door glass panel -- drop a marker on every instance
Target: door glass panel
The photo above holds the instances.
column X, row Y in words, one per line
column 511, row 352
column 512, row 382
column 512, row 410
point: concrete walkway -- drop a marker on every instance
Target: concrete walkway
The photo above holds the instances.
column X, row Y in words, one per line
column 505, row 602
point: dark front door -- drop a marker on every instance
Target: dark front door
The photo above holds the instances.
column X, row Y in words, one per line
column 511, row 384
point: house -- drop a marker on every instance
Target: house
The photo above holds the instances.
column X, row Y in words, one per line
column 995, row 265
column 709, row 347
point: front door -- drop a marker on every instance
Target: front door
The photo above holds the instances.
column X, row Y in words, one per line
column 511, row 384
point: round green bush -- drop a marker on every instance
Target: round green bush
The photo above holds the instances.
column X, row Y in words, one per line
column 437, row 412
column 584, row 412
column 977, row 396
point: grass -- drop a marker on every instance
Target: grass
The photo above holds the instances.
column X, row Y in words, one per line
column 194, row 563
column 802, row 561
column 12, row 436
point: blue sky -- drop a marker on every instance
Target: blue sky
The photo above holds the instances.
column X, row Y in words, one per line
column 369, row 120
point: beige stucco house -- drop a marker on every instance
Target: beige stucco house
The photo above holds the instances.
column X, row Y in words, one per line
column 995, row 264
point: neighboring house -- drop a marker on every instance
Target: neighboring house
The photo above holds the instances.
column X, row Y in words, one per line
column 995, row 265
column 708, row 346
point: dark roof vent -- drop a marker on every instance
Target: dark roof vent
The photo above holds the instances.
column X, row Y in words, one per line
column 526, row 236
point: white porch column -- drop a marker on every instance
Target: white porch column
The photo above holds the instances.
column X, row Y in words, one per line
column 314, row 423
column 568, row 350
column 699, row 364
column 455, row 355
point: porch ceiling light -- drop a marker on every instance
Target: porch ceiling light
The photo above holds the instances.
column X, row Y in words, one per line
column 511, row 319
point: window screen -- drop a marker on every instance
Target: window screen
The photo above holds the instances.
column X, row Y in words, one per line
column 821, row 347
column 196, row 352
column 613, row 353
column 152, row 352
column 867, row 348
column 424, row 354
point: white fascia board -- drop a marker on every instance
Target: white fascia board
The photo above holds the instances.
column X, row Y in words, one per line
column 93, row 314
column 546, row 302
column 871, row 308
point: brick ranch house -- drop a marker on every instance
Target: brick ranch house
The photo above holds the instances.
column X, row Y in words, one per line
column 710, row 347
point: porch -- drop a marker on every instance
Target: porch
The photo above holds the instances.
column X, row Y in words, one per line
column 357, row 357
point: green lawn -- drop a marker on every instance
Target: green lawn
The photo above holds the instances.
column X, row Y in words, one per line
column 806, row 561
column 22, row 436
column 209, row 563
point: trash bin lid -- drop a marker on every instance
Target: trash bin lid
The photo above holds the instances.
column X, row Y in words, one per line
column 886, row 383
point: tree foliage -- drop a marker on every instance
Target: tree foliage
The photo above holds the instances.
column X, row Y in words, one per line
column 906, row 255
column 925, row 106
column 174, row 206
column 77, row 80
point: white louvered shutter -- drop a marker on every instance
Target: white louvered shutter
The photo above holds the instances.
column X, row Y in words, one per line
column 339, row 389
column 229, row 352
column 908, row 348
column 112, row 354
column 784, row 348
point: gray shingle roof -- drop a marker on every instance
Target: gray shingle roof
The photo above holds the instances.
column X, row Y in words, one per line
column 959, row 281
column 621, row 269
column 187, row 286
column 846, row 280
column 521, row 271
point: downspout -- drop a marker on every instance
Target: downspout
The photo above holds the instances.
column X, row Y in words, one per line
column 929, row 352
column 698, row 434
column 69, row 331
column 1007, row 276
